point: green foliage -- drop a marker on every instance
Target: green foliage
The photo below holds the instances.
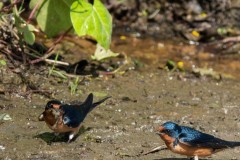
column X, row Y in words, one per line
column 3, row 62
column 27, row 31
column 93, row 20
column 53, row 16
column 24, row 29
column 56, row 16
column 1, row 5
column 73, row 85
column 53, row 66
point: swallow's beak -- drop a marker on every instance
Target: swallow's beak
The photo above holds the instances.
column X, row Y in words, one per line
column 56, row 106
column 41, row 117
column 159, row 131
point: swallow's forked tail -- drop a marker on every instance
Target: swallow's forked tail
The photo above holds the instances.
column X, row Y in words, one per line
column 99, row 102
column 88, row 104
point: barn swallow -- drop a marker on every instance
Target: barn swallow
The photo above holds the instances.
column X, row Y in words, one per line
column 63, row 118
column 188, row 141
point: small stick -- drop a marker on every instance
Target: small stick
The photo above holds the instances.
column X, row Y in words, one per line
column 57, row 62
column 156, row 149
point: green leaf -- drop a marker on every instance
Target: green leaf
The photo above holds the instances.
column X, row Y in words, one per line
column 93, row 20
column 101, row 53
column 1, row 5
column 28, row 35
column 53, row 16
column 5, row 117
column 3, row 62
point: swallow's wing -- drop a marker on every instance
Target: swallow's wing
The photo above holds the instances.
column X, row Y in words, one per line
column 71, row 116
column 195, row 138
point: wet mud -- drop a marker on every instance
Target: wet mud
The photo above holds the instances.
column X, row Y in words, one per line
column 124, row 126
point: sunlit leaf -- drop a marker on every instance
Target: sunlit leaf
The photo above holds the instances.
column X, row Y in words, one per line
column 93, row 20
column 101, row 53
column 3, row 62
column 5, row 117
column 1, row 5
column 28, row 34
column 53, row 15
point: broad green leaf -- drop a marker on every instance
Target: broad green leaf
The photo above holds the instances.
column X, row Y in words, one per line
column 53, row 16
column 93, row 20
column 101, row 53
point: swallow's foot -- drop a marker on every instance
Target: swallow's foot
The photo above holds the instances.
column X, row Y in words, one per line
column 194, row 158
column 71, row 136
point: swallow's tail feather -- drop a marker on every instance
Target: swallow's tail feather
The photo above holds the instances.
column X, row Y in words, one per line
column 88, row 105
column 233, row 144
column 99, row 102
column 221, row 144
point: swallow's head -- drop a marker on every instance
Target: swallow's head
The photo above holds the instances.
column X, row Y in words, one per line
column 50, row 116
column 53, row 104
column 50, row 108
column 169, row 128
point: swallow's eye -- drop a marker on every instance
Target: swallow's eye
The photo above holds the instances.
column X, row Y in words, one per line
column 49, row 106
column 167, row 131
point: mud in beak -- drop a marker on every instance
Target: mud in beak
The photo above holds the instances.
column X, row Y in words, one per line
column 160, row 130
column 56, row 106
column 41, row 117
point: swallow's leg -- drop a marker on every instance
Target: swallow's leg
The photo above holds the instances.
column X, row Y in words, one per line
column 194, row 158
column 71, row 135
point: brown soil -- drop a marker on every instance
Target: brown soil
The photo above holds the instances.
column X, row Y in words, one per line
column 142, row 99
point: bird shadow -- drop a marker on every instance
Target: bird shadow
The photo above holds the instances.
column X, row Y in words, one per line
column 50, row 138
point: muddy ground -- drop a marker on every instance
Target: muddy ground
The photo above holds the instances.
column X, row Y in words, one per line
column 124, row 126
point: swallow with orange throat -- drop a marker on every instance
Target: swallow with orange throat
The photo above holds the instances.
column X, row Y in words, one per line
column 65, row 118
column 190, row 142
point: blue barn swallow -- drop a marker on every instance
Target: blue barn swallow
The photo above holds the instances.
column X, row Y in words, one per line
column 63, row 118
column 190, row 142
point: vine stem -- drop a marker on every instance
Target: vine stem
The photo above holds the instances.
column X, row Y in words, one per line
column 33, row 11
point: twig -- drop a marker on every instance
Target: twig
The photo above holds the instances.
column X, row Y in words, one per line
column 49, row 53
column 231, row 39
column 75, row 76
column 156, row 149
column 57, row 62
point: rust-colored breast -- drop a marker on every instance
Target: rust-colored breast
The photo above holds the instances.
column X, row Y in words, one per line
column 54, row 120
column 184, row 149
column 191, row 151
